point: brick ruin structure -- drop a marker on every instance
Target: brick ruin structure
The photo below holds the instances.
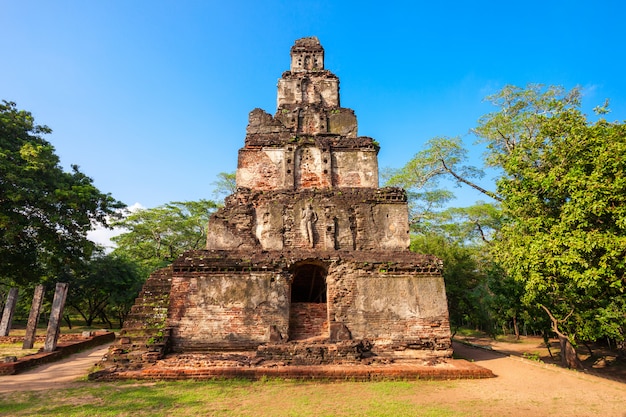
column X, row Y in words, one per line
column 308, row 261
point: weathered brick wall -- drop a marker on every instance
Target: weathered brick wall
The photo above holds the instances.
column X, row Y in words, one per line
column 303, row 166
column 355, row 168
column 400, row 312
column 362, row 219
column 226, row 310
column 307, row 320
column 400, row 306
column 261, row 169
column 319, row 88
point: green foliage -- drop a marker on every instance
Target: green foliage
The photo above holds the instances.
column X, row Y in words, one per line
column 555, row 241
column 45, row 212
column 462, row 238
column 517, row 124
column 533, row 356
column 106, row 289
column 462, row 276
column 564, row 189
column 224, row 185
column 156, row 237
column 441, row 157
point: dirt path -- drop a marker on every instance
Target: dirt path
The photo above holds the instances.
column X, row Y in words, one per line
column 528, row 388
column 54, row 375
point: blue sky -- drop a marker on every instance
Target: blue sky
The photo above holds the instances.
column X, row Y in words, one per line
column 151, row 98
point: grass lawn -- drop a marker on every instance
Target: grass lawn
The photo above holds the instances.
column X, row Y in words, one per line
column 232, row 398
column 15, row 349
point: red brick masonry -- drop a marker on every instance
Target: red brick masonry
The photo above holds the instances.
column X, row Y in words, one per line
column 173, row 368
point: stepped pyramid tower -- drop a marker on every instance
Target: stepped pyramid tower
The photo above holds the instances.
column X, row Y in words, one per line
column 308, row 251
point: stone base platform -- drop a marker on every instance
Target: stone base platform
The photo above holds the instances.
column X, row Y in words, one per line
column 245, row 365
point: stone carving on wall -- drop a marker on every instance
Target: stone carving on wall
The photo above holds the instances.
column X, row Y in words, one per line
column 309, row 218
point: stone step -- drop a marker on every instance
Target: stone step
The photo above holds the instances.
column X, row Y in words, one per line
column 143, row 332
column 148, row 309
column 139, row 321
column 148, row 294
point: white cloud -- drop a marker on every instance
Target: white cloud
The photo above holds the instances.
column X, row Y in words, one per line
column 103, row 236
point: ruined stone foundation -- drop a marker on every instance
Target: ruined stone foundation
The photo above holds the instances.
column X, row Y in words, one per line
column 308, row 262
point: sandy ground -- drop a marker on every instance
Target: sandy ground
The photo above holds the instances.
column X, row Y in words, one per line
column 522, row 387
column 527, row 388
column 54, row 375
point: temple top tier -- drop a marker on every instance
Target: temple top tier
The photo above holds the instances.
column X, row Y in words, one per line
column 308, row 83
column 307, row 54
column 311, row 141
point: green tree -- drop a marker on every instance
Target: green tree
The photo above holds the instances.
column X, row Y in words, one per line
column 462, row 275
column 45, row 212
column 461, row 237
column 156, row 237
column 564, row 185
column 503, row 298
column 224, row 185
column 561, row 189
column 105, row 289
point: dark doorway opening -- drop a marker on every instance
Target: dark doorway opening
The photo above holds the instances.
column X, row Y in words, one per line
column 309, row 284
column 308, row 315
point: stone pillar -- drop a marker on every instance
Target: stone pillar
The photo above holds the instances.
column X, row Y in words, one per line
column 7, row 315
column 56, row 315
column 33, row 318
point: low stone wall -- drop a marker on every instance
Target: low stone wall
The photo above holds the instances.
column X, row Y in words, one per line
column 315, row 353
column 64, row 348
column 456, row 369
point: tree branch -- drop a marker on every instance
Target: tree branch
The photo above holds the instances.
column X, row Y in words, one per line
column 471, row 184
column 482, row 233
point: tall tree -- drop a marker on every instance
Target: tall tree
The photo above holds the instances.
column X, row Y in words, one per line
column 156, row 237
column 562, row 190
column 224, row 185
column 565, row 194
column 105, row 289
column 45, row 212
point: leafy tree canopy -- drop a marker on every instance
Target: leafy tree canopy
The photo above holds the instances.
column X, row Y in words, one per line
column 105, row 289
column 564, row 188
column 156, row 237
column 45, row 212
column 224, row 185
column 562, row 196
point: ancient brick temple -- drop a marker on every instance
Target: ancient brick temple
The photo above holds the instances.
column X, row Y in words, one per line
column 308, row 252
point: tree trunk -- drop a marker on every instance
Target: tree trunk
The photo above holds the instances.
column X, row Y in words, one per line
column 546, row 340
column 621, row 347
column 516, row 328
column 105, row 319
column 569, row 357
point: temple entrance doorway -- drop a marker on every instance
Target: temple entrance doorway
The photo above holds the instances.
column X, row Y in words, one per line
column 308, row 314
